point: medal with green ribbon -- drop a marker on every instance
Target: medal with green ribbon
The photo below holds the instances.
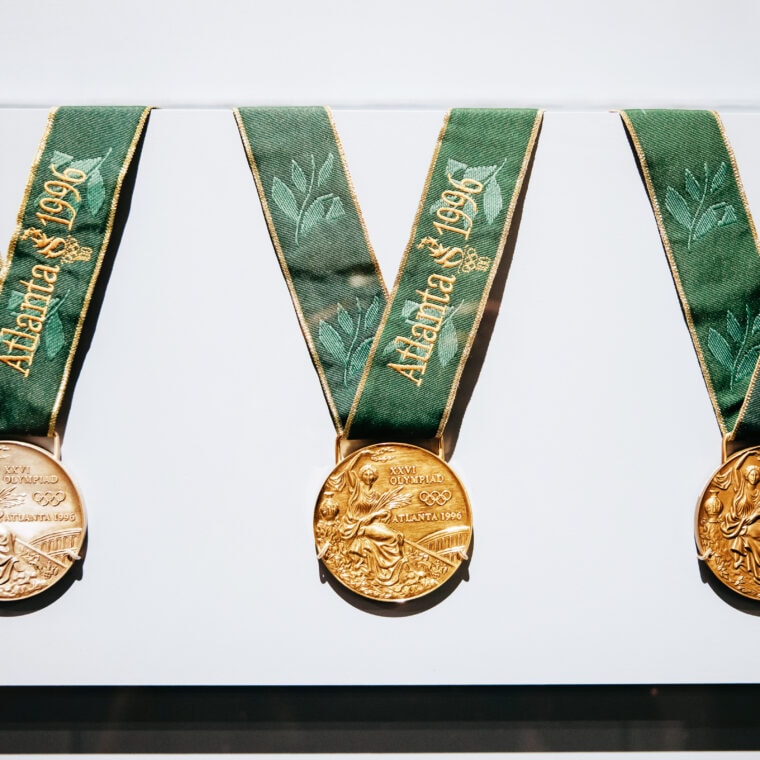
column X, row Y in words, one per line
column 711, row 245
column 55, row 256
column 392, row 521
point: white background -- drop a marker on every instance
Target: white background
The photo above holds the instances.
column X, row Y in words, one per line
column 198, row 433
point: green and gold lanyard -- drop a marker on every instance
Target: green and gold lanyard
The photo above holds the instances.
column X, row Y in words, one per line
column 55, row 256
column 711, row 244
column 389, row 370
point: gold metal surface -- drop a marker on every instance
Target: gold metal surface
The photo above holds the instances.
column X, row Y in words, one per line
column 392, row 522
column 42, row 521
column 728, row 523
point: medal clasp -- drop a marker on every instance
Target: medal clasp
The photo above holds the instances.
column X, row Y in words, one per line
column 731, row 446
column 345, row 446
column 49, row 443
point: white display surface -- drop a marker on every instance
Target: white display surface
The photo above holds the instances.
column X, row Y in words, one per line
column 545, row 53
column 199, row 437
column 198, row 433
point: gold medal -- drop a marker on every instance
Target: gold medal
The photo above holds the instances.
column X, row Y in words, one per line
column 42, row 521
column 392, row 522
column 728, row 523
column 61, row 243
column 710, row 241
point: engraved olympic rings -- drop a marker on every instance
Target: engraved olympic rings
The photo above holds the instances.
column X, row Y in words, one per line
column 49, row 498
column 430, row 498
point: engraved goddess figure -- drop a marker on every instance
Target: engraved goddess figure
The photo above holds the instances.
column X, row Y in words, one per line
column 741, row 524
column 8, row 560
column 373, row 544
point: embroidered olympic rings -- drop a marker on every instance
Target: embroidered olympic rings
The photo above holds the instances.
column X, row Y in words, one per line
column 429, row 498
column 472, row 261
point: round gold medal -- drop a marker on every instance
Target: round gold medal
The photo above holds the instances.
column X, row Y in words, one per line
column 392, row 522
column 42, row 521
column 728, row 523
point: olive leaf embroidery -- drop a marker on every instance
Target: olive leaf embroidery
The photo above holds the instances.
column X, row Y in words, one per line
column 52, row 332
column 309, row 213
column 94, row 189
column 742, row 363
column 703, row 220
column 447, row 343
column 344, row 344
column 493, row 196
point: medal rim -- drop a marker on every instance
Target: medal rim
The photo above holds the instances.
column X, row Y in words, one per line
column 697, row 511
column 82, row 510
column 468, row 505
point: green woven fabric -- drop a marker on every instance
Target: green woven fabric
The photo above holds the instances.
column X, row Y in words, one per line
column 446, row 277
column 55, row 256
column 414, row 364
column 709, row 238
column 317, row 230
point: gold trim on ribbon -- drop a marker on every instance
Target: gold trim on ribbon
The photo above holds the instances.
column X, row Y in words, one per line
column 529, row 150
column 472, row 335
column 399, row 273
column 740, row 187
column 671, row 262
column 302, row 321
column 96, row 271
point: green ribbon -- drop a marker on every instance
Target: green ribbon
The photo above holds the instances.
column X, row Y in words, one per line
column 320, row 239
column 707, row 231
column 446, row 274
column 393, row 378
column 54, row 258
